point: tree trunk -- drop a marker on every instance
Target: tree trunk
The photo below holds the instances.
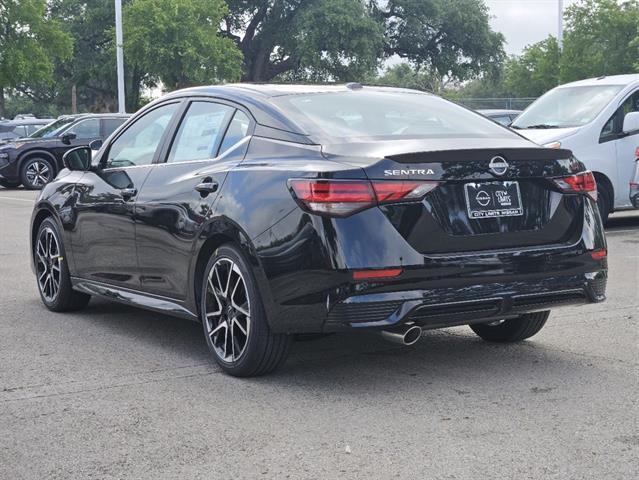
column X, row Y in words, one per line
column 74, row 99
column 2, row 105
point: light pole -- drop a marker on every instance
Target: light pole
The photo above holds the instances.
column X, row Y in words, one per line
column 119, row 55
column 560, row 23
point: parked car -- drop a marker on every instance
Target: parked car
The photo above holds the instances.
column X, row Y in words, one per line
column 594, row 119
column 634, row 182
column 265, row 211
column 35, row 161
column 505, row 117
column 23, row 127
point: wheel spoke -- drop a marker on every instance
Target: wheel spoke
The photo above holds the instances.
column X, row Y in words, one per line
column 218, row 328
column 235, row 321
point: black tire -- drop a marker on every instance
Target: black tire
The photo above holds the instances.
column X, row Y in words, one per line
column 66, row 299
column 261, row 351
column 36, row 172
column 512, row 330
column 8, row 184
column 604, row 202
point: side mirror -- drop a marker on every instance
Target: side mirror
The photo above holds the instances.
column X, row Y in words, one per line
column 67, row 137
column 631, row 122
column 78, row 159
column 96, row 144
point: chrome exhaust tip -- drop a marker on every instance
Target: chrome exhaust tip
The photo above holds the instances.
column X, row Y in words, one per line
column 403, row 335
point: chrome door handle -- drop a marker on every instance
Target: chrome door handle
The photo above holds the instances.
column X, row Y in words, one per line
column 207, row 186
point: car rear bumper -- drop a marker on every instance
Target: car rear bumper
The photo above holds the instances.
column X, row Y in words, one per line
column 445, row 307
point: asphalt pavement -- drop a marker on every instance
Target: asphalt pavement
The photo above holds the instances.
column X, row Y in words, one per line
column 113, row 392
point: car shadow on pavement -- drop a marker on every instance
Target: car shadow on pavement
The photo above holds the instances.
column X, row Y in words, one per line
column 356, row 361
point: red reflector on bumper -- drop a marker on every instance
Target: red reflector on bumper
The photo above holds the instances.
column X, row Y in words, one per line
column 376, row 274
column 599, row 254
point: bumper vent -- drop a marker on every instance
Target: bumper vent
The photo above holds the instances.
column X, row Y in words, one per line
column 362, row 312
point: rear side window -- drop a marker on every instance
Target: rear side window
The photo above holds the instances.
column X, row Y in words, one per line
column 110, row 125
column 200, row 132
column 86, row 128
column 238, row 129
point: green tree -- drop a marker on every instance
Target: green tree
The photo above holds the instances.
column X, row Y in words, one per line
column 347, row 39
column 449, row 38
column 602, row 38
column 535, row 71
column 304, row 39
column 29, row 42
column 404, row 76
column 178, row 42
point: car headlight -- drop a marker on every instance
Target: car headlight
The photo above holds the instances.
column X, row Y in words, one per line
column 554, row 145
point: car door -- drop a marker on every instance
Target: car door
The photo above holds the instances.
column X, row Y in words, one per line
column 103, row 240
column 178, row 197
column 626, row 146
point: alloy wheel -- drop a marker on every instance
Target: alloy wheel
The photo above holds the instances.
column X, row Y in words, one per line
column 38, row 173
column 227, row 310
column 48, row 260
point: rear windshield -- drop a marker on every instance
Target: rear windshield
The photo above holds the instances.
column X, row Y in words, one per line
column 385, row 115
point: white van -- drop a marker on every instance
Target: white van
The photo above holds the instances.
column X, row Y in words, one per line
column 598, row 119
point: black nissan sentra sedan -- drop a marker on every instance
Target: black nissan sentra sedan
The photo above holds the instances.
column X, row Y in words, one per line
column 265, row 211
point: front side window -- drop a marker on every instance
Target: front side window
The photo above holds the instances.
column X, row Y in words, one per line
column 200, row 132
column 614, row 125
column 86, row 128
column 138, row 144
column 567, row 107
column 380, row 115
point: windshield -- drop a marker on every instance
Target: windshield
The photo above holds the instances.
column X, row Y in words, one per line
column 567, row 107
column 385, row 115
column 53, row 129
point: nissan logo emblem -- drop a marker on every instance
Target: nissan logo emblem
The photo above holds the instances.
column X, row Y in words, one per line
column 498, row 165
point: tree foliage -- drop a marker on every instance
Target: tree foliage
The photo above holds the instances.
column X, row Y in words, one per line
column 30, row 40
column 534, row 72
column 450, row 38
column 178, row 42
column 602, row 38
column 313, row 39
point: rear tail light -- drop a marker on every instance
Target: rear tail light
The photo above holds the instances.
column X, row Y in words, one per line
column 599, row 254
column 340, row 198
column 580, row 183
column 377, row 274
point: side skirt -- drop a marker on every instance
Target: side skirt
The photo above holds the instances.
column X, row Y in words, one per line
column 134, row 298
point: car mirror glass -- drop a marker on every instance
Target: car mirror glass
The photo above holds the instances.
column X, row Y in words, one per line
column 78, row 159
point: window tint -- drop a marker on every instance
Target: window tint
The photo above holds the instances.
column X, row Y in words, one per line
column 504, row 120
column 385, row 115
column 109, row 125
column 200, row 132
column 238, row 129
column 138, row 143
column 33, row 128
column 86, row 128
column 614, row 125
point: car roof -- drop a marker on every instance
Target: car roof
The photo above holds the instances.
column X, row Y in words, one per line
column 605, row 80
column 266, row 90
column 96, row 115
column 257, row 97
column 28, row 121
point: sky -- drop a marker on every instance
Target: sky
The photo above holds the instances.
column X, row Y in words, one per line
column 524, row 21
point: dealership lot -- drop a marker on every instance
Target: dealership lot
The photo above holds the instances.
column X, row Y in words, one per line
column 115, row 392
